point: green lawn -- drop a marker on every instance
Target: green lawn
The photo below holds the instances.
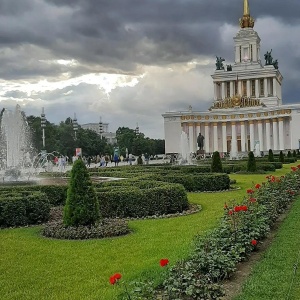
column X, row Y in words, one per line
column 274, row 277
column 33, row 267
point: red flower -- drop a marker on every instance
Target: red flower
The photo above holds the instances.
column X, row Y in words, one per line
column 254, row 242
column 164, row 262
column 114, row 278
column 257, row 186
column 250, row 191
column 244, row 208
column 294, row 169
column 252, row 200
column 230, row 212
column 272, row 178
column 237, row 208
column 298, row 166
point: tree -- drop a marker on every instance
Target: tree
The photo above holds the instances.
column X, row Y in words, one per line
column 289, row 154
column 251, row 165
column 271, row 156
column 281, row 157
column 216, row 164
column 82, row 206
column 294, row 154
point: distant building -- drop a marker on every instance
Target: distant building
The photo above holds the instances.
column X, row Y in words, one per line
column 110, row 136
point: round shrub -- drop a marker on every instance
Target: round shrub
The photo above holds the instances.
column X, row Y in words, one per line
column 82, row 206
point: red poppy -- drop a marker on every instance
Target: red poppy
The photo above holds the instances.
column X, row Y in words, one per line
column 294, row 169
column 114, row 278
column 254, row 242
column 252, row 200
column 257, row 186
column 250, row 191
column 244, row 208
column 272, row 178
column 237, row 208
column 164, row 262
column 230, row 212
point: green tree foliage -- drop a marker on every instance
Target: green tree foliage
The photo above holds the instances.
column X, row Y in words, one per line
column 216, row 164
column 251, row 165
column 82, row 206
column 271, row 156
column 281, row 157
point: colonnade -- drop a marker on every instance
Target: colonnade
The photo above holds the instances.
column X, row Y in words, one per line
column 263, row 87
column 235, row 136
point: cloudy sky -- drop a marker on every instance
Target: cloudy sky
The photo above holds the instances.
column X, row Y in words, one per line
column 130, row 61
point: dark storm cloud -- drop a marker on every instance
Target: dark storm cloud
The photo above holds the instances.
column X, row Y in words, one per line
column 123, row 33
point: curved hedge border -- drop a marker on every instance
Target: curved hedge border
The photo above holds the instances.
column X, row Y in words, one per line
column 19, row 209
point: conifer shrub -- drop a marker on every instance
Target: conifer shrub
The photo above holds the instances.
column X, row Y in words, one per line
column 251, row 165
column 294, row 154
column 289, row 154
column 216, row 164
column 281, row 157
column 139, row 160
column 271, row 156
column 82, row 206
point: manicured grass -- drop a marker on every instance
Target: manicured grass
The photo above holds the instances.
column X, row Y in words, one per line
column 32, row 267
column 273, row 277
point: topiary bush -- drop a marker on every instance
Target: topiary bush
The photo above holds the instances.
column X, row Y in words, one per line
column 271, row 156
column 216, row 164
column 294, row 154
column 251, row 165
column 281, row 157
column 289, row 154
column 82, row 206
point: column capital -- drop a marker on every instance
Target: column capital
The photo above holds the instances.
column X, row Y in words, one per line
column 206, row 124
column 191, row 124
column 251, row 122
column 280, row 119
column 259, row 121
column 224, row 123
column 233, row 123
column 242, row 122
column 267, row 120
column 215, row 123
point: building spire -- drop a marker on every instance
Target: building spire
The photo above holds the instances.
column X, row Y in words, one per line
column 246, row 8
column 246, row 21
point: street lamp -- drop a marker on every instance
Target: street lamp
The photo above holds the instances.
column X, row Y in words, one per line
column 137, row 129
column 43, row 125
column 100, row 128
column 75, row 126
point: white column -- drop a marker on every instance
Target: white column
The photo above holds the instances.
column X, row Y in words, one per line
column 198, row 129
column 191, row 137
column 266, row 87
column 243, row 137
column 231, row 88
column 248, row 88
column 260, row 135
column 251, row 122
column 254, row 51
column 256, row 88
column 206, row 141
column 224, row 137
column 216, row 136
column 268, row 135
column 215, row 91
column 275, row 134
column 281, row 135
column 274, row 87
column 237, row 54
column 223, row 90
column 240, row 87
column 233, row 139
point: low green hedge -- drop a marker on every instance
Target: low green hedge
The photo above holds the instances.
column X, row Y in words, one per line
column 134, row 202
column 23, row 209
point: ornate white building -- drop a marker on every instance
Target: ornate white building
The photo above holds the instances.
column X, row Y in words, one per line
column 247, row 111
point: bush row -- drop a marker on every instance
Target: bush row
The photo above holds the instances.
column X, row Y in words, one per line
column 134, row 202
column 19, row 209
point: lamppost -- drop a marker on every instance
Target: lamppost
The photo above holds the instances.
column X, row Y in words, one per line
column 75, row 126
column 100, row 128
column 43, row 125
column 137, row 129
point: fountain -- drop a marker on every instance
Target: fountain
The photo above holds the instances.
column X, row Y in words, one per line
column 16, row 151
column 185, row 153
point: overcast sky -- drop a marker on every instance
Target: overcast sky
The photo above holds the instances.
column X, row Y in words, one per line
column 130, row 61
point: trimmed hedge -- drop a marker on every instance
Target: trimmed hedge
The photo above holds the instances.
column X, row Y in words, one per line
column 133, row 202
column 23, row 209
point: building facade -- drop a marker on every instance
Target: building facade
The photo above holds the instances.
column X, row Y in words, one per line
column 247, row 112
column 110, row 136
